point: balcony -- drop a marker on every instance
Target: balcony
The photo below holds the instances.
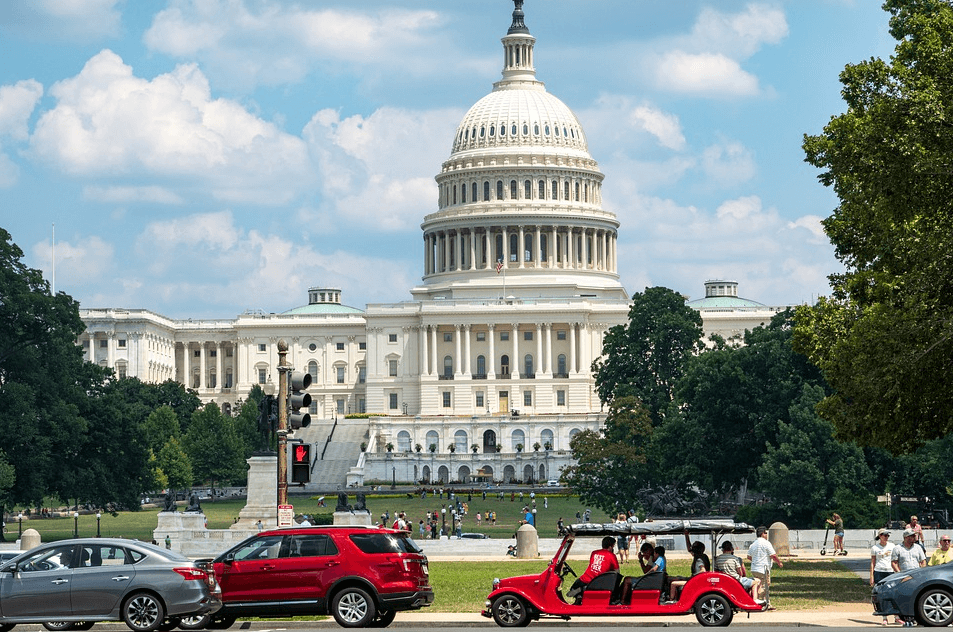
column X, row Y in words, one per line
column 479, row 376
column 561, row 376
column 446, row 377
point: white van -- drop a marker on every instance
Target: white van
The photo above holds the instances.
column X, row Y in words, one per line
column 552, row 483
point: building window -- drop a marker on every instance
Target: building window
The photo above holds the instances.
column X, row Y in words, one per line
column 392, row 368
column 340, row 374
column 339, row 346
column 361, row 375
column 561, row 366
column 391, row 337
column 528, row 365
column 262, row 376
column 228, row 379
column 313, row 408
column 473, row 192
column 105, row 343
column 446, row 399
column 527, row 189
column 447, row 336
column 527, row 398
column 481, row 336
column 313, row 370
column 312, row 347
column 447, row 366
column 362, row 346
column 479, row 400
column 512, row 189
column 212, row 353
column 499, row 189
column 86, row 344
column 504, row 365
column 122, row 372
column 514, row 246
column 541, row 185
column 122, row 343
column 555, row 188
column 566, row 190
column 228, row 352
column 527, row 335
column 339, row 405
column 486, row 191
column 463, row 193
column 361, row 405
column 481, row 366
column 392, row 401
column 561, row 334
column 504, row 335
column 560, row 398
column 261, row 348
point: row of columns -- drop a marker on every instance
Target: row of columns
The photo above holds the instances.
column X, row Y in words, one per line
column 185, row 366
column 575, row 249
column 461, row 191
column 160, row 352
column 579, row 360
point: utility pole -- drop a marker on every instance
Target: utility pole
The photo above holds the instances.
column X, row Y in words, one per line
column 283, row 369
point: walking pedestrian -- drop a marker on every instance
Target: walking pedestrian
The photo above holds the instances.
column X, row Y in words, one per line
column 762, row 555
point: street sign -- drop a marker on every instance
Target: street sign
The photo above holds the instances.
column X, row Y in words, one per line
column 286, row 515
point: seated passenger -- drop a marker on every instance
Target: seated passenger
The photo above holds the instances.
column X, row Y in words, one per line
column 730, row 564
column 648, row 560
column 700, row 564
column 601, row 561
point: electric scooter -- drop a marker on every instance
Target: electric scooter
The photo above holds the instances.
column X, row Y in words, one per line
column 823, row 550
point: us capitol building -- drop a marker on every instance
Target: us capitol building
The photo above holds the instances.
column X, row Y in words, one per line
column 485, row 374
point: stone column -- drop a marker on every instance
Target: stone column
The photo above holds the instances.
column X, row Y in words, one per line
column 540, row 366
column 467, row 362
column 458, row 351
column 422, row 348
column 203, row 366
column 219, row 377
column 572, row 348
column 548, row 367
column 433, row 350
column 515, row 359
column 521, row 252
column 491, row 368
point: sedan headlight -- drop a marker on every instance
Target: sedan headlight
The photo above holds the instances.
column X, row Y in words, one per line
column 894, row 582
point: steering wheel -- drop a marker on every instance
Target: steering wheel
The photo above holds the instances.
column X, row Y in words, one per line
column 566, row 570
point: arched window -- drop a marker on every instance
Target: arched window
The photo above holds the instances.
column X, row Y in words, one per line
column 543, row 247
column 499, row 247
column 525, row 129
column 492, row 131
column 514, row 246
column 486, row 191
column 433, row 439
column 403, row 441
column 517, row 438
column 542, row 189
column 512, row 189
column 528, row 247
column 313, row 370
column 528, row 365
column 460, row 440
column 546, row 436
column 481, row 366
column 473, row 191
column 555, row 189
column 566, row 190
column 448, row 366
column 504, row 364
column 513, row 130
column 577, row 191
column 463, row 194
column 527, row 190
column 454, row 194
column 499, row 189
column 561, row 365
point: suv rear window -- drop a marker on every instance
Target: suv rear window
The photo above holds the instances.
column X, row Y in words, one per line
column 385, row 543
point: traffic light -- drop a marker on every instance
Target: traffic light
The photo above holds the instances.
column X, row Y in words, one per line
column 301, row 463
column 300, row 381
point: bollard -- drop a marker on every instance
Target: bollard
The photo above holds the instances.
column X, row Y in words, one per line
column 778, row 537
column 527, row 542
column 30, row 539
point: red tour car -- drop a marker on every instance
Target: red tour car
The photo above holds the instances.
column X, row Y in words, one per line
column 713, row 597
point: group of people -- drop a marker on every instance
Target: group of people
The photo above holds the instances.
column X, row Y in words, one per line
column 887, row 558
column 652, row 560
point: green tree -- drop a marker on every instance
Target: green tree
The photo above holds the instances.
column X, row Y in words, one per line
column 175, row 465
column 884, row 338
column 214, row 446
column 161, row 425
column 611, row 466
column 646, row 357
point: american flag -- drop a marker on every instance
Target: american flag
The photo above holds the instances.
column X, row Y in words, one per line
column 499, row 266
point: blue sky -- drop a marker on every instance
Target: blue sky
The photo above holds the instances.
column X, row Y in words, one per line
column 200, row 158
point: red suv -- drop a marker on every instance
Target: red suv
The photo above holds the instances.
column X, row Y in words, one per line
column 360, row 575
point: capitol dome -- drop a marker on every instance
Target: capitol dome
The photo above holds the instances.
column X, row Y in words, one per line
column 520, row 197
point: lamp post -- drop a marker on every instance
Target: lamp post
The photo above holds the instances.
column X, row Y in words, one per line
column 20, row 525
column 443, row 520
column 393, row 484
column 98, row 516
column 75, row 524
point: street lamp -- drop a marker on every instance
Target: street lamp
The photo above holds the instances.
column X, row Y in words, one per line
column 20, row 525
column 75, row 524
column 443, row 520
column 98, row 516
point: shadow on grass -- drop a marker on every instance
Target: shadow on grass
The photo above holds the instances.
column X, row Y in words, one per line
column 817, row 584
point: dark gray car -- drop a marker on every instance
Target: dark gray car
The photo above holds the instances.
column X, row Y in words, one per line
column 103, row 579
column 923, row 594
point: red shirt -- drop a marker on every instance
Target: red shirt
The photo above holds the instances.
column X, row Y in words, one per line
column 601, row 561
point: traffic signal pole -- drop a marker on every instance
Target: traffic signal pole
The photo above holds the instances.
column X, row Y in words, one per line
column 283, row 370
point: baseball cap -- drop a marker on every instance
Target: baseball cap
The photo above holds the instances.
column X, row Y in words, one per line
column 883, row 532
column 907, row 532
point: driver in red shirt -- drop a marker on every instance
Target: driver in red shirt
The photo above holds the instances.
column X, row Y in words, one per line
column 601, row 561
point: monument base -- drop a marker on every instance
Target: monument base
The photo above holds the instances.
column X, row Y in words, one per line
column 352, row 519
column 262, row 503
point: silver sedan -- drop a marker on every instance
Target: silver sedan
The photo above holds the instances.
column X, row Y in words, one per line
column 103, row 579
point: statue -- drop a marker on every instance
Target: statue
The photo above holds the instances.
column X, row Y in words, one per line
column 360, row 504
column 267, row 423
column 194, row 506
column 342, row 503
column 170, row 501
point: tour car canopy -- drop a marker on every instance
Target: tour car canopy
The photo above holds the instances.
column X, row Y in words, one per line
column 674, row 527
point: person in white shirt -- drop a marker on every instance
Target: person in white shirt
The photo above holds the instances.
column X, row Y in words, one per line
column 880, row 567
column 761, row 554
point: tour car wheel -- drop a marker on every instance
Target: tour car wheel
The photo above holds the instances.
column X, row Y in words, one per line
column 509, row 611
column 383, row 619
column 143, row 612
column 195, row 622
column 713, row 610
column 353, row 608
column 935, row 608
column 58, row 626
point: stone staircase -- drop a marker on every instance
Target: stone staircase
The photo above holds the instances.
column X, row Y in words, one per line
column 340, row 454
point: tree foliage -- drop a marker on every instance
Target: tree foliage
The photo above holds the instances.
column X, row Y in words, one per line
column 884, row 338
column 214, row 446
column 611, row 465
column 646, row 357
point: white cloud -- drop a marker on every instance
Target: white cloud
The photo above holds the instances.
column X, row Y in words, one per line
column 663, row 125
column 811, row 223
column 728, row 164
column 710, row 74
column 55, row 20
column 379, row 170
column 84, row 261
column 108, row 122
column 16, row 106
column 118, row 195
column 9, row 171
column 265, row 42
column 739, row 34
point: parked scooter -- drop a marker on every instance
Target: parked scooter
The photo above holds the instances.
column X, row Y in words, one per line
column 824, row 546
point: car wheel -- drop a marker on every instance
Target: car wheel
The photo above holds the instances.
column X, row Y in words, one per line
column 143, row 612
column 935, row 608
column 509, row 611
column 195, row 622
column 383, row 619
column 353, row 608
column 221, row 623
column 713, row 610
column 58, row 626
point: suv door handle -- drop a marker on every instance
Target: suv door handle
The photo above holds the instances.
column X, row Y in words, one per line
column 60, row 581
column 332, row 563
column 267, row 567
